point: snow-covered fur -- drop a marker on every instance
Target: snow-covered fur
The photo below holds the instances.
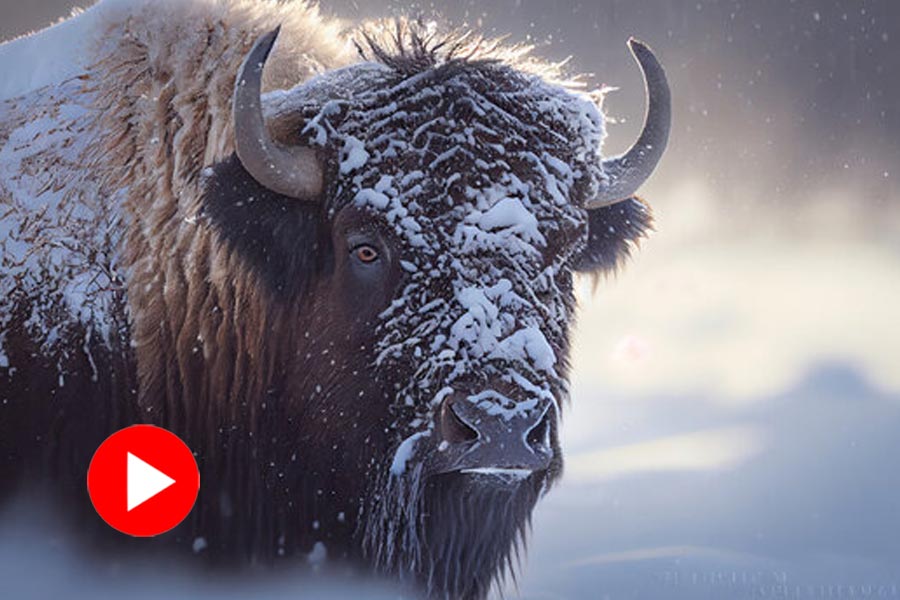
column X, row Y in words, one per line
column 100, row 174
column 146, row 277
column 134, row 134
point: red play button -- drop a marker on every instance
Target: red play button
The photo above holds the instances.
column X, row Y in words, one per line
column 143, row 480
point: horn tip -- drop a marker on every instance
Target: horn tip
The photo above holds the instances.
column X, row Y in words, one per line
column 644, row 55
column 637, row 46
column 267, row 40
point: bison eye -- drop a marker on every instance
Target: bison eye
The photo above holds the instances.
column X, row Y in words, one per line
column 366, row 253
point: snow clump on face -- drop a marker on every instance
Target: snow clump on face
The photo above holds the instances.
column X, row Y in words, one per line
column 479, row 172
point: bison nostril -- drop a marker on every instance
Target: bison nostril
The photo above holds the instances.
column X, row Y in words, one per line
column 453, row 428
column 539, row 435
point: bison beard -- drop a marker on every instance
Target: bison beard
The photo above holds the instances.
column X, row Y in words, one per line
column 402, row 411
column 453, row 534
column 464, row 553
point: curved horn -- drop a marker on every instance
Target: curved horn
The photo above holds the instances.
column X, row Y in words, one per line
column 626, row 173
column 291, row 171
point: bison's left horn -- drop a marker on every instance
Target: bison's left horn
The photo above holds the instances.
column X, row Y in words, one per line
column 293, row 171
column 626, row 173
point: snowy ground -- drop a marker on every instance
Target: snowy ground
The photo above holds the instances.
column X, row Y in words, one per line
column 790, row 497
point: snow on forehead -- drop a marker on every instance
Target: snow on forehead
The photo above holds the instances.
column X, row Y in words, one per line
column 475, row 141
column 482, row 170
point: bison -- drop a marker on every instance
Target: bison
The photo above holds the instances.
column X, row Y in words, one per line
column 346, row 283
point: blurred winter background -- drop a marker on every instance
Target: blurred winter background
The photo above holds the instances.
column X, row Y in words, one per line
column 735, row 426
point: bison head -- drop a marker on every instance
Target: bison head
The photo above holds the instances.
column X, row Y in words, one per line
column 426, row 212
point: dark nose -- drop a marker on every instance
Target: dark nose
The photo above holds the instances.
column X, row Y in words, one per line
column 485, row 435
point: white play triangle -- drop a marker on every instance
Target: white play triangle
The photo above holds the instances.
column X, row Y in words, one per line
column 144, row 481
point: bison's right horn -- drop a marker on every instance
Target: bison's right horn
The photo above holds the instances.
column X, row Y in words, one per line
column 293, row 171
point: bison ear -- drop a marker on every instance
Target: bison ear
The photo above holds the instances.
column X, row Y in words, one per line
column 612, row 233
column 277, row 235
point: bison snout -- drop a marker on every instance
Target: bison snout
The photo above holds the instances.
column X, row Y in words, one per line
column 484, row 436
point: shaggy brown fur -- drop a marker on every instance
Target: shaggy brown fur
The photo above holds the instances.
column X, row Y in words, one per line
column 195, row 306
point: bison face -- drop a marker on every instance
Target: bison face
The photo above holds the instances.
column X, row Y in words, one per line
column 427, row 214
